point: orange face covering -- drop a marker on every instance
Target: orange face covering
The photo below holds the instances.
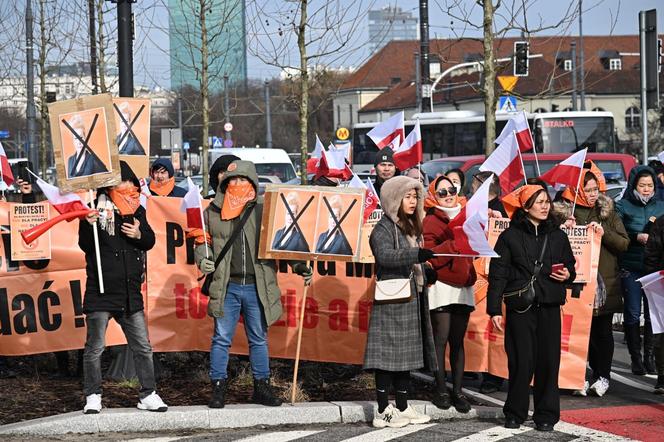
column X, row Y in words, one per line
column 126, row 198
column 236, row 197
column 519, row 197
column 581, row 198
column 164, row 188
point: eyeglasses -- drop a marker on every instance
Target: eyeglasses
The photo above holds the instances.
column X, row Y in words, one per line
column 444, row 192
column 592, row 191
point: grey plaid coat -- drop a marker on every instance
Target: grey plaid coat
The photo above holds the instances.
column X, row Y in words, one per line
column 400, row 337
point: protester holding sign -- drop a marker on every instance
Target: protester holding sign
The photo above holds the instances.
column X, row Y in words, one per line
column 535, row 262
column 396, row 342
column 638, row 209
column 654, row 262
column 124, row 236
column 451, row 299
column 242, row 284
column 162, row 179
column 596, row 210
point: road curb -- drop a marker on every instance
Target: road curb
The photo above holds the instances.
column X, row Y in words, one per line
column 232, row 416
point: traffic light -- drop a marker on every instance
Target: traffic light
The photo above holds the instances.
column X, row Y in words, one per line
column 50, row 97
column 520, row 59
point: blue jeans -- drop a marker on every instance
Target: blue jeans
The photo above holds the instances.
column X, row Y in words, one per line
column 240, row 299
column 632, row 296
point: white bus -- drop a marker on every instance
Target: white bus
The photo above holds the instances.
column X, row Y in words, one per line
column 447, row 134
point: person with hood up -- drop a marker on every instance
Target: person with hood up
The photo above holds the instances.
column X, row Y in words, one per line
column 385, row 168
column 124, row 237
column 399, row 338
column 217, row 172
column 162, row 179
column 597, row 211
column 533, row 246
column 241, row 283
column 638, row 209
column 452, row 299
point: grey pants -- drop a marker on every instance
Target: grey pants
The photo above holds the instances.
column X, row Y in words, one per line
column 135, row 331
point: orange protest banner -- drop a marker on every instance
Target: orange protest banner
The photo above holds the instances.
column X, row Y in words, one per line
column 23, row 217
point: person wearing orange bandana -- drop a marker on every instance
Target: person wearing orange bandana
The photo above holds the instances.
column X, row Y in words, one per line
column 242, row 284
column 597, row 211
column 124, row 237
column 162, row 179
column 532, row 329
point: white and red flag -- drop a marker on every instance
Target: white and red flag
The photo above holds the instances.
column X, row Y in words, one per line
column 653, row 286
column 314, row 160
column 567, row 172
column 409, row 153
column 63, row 203
column 333, row 165
column 506, row 163
column 519, row 125
column 387, row 131
column 6, row 174
column 370, row 196
column 191, row 205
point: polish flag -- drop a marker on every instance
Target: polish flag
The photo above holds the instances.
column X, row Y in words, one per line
column 568, row 172
column 506, row 163
column 469, row 226
column 6, row 174
column 388, row 130
column 370, row 197
column 477, row 204
column 63, row 203
column 409, row 153
column 519, row 125
column 145, row 192
column 653, row 286
column 314, row 160
column 191, row 205
column 333, row 165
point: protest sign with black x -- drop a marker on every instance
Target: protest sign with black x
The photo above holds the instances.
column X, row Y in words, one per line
column 337, row 222
column 86, row 147
column 129, row 125
column 294, row 218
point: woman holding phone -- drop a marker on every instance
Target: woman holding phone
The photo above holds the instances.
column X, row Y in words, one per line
column 535, row 253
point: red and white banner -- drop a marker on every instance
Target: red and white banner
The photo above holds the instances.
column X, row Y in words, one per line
column 333, row 165
column 470, row 225
column 653, row 286
column 519, row 125
column 568, row 172
column 386, row 132
column 370, row 198
column 63, row 202
column 191, row 205
column 314, row 160
column 506, row 163
column 409, row 153
column 5, row 169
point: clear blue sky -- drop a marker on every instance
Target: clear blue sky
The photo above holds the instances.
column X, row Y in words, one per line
column 600, row 17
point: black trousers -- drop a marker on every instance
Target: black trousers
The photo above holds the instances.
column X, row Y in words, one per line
column 600, row 346
column 532, row 343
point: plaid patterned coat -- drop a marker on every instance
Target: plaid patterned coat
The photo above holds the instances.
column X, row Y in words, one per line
column 395, row 339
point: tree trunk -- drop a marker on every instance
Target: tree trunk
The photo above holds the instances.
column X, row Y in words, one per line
column 489, row 79
column 204, row 96
column 303, row 113
column 43, row 110
column 101, row 60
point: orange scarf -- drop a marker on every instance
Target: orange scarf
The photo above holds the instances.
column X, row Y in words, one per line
column 519, row 197
column 236, row 197
column 430, row 199
column 163, row 189
column 569, row 193
column 126, row 198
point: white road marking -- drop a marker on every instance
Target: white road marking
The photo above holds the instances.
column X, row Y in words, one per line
column 622, row 379
column 279, row 436
column 153, row 439
column 628, row 371
column 386, row 434
column 494, row 433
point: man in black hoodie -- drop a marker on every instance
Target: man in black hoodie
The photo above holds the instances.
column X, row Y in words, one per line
column 385, row 168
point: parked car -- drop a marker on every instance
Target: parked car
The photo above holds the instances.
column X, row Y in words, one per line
column 272, row 162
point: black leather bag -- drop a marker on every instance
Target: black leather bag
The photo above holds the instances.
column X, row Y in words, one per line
column 521, row 300
column 205, row 288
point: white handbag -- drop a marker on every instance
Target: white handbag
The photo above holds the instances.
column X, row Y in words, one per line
column 392, row 291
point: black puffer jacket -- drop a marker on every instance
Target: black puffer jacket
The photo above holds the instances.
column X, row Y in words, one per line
column 519, row 247
column 122, row 261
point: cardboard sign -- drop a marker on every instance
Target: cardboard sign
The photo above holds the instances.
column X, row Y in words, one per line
column 132, row 123
column 23, row 217
column 83, row 135
column 366, row 255
column 311, row 223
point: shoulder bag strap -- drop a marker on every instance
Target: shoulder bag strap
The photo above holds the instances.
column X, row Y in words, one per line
column 539, row 262
column 233, row 236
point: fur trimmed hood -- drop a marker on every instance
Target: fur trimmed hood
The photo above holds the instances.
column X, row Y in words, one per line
column 392, row 194
column 563, row 209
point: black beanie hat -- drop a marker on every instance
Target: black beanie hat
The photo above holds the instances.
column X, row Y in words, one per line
column 126, row 174
column 385, row 155
column 220, row 165
column 165, row 163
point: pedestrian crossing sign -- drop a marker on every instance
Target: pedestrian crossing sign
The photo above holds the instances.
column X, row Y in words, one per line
column 506, row 104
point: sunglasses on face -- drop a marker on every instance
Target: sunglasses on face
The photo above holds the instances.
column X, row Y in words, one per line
column 444, row 192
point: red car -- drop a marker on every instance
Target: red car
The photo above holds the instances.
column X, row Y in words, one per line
column 615, row 166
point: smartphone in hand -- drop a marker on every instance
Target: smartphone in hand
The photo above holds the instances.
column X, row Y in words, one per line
column 557, row 268
column 129, row 219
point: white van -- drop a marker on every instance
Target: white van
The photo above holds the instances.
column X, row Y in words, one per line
column 269, row 162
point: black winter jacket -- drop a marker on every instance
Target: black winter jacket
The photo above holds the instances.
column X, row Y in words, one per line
column 654, row 255
column 519, row 247
column 122, row 262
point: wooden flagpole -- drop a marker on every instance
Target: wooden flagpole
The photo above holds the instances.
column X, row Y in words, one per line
column 200, row 210
column 525, row 177
column 300, row 326
column 96, row 237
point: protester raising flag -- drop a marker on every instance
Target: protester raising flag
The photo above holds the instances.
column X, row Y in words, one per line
column 191, row 205
column 653, row 286
column 6, row 174
column 567, row 172
column 409, row 153
column 385, row 133
column 370, row 196
column 519, row 125
column 314, row 160
column 333, row 165
column 506, row 163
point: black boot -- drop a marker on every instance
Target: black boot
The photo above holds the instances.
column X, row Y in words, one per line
column 218, row 394
column 634, row 346
column 648, row 349
column 441, row 398
column 264, row 395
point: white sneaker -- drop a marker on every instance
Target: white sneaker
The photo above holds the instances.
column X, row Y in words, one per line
column 152, row 403
column 599, row 387
column 92, row 404
column 390, row 417
column 584, row 391
column 414, row 417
